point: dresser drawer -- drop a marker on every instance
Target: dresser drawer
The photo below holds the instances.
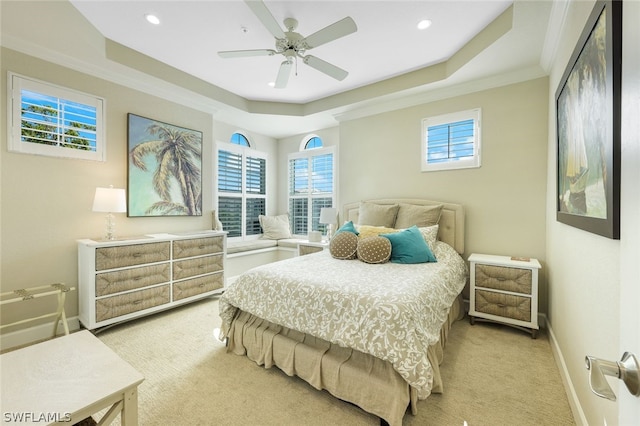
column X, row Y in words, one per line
column 131, row 279
column 503, row 305
column 197, row 266
column 197, row 247
column 130, row 255
column 195, row 286
column 116, row 306
column 503, row 278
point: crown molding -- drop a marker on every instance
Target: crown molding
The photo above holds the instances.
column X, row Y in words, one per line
column 557, row 20
column 406, row 100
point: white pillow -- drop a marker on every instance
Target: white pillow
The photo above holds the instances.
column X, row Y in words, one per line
column 275, row 227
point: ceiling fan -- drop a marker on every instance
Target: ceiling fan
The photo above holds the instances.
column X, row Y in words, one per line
column 292, row 45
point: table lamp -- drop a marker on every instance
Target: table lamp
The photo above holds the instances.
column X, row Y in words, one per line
column 329, row 217
column 110, row 200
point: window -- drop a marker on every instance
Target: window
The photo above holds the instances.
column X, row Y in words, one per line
column 451, row 141
column 240, row 139
column 313, row 142
column 54, row 121
column 242, row 189
column 311, row 187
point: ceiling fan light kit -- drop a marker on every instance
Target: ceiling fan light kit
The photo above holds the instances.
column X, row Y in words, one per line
column 293, row 45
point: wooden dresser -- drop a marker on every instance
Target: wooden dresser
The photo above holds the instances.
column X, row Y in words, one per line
column 504, row 289
column 125, row 279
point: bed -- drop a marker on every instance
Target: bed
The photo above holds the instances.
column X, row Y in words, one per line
column 369, row 334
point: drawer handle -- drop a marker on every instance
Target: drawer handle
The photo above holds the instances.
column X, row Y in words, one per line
column 201, row 266
column 501, row 278
column 137, row 302
column 201, row 246
column 501, row 305
column 201, row 285
column 136, row 255
column 137, row 278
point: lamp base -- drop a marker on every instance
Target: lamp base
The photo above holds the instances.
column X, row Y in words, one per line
column 330, row 231
column 110, row 234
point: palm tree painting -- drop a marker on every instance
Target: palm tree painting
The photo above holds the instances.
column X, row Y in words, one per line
column 165, row 163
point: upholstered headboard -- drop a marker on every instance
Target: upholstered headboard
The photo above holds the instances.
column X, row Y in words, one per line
column 451, row 224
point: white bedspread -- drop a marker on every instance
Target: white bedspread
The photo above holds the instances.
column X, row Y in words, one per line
column 391, row 311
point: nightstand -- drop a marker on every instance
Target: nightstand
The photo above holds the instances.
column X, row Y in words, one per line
column 307, row 247
column 504, row 289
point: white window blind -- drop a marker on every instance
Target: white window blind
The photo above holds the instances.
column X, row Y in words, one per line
column 54, row 121
column 451, row 141
column 311, row 187
column 242, row 189
column 229, row 171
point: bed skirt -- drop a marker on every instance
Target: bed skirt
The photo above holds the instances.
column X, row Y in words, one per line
column 348, row 374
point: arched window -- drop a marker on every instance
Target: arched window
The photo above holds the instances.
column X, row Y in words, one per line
column 242, row 187
column 311, row 184
column 313, row 142
column 240, row 139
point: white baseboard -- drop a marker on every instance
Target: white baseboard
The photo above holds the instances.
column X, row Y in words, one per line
column 34, row 334
column 576, row 408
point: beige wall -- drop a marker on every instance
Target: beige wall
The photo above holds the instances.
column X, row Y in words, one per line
column 504, row 199
column 584, row 267
column 46, row 202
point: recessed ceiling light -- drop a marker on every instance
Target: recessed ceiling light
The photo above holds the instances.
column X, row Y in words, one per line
column 424, row 24
column 272, row 84
column 153, row 19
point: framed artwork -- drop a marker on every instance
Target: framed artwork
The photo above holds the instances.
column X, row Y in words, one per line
column 165, row 164
column 588, row 126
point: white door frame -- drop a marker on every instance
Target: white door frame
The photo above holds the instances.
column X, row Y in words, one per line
column 629, row 405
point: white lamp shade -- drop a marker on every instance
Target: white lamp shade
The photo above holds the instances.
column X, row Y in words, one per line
column 328, row 215
column 110, row 200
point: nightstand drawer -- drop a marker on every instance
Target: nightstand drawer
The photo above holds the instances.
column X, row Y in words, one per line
column 504, row 278
column 197, row 266
column 503, row 305
column 197, row 247
column 116, row 306
column 131, row 279
column 194, row 286
column 130, row 255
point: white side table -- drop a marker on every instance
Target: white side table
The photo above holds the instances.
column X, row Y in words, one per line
column 307, row 247
column 504, row 289
column 67, row 379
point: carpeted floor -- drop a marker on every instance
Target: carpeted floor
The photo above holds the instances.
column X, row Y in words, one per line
column 493, row 375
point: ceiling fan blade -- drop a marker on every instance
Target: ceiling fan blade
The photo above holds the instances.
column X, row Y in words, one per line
column 325, row 67
column 334, row 31
column 260, row 10
column 283, row 75
column 246, row 53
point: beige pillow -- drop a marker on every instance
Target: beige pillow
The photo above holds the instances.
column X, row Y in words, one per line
column 373, row 231
column 377, row 214
column 430, row 235
column 275, row 227
column 344, row 245
column 421, row 216
column 374, row 249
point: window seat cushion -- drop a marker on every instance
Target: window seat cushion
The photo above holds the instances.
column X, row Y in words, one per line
column 242, row 246
column 290, row 242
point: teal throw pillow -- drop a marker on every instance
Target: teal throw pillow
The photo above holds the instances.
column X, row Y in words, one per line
column 408, row 246
column 348, row 227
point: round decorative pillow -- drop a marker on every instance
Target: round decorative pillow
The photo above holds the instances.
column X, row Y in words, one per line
column 344, row 245
column 374, row 249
